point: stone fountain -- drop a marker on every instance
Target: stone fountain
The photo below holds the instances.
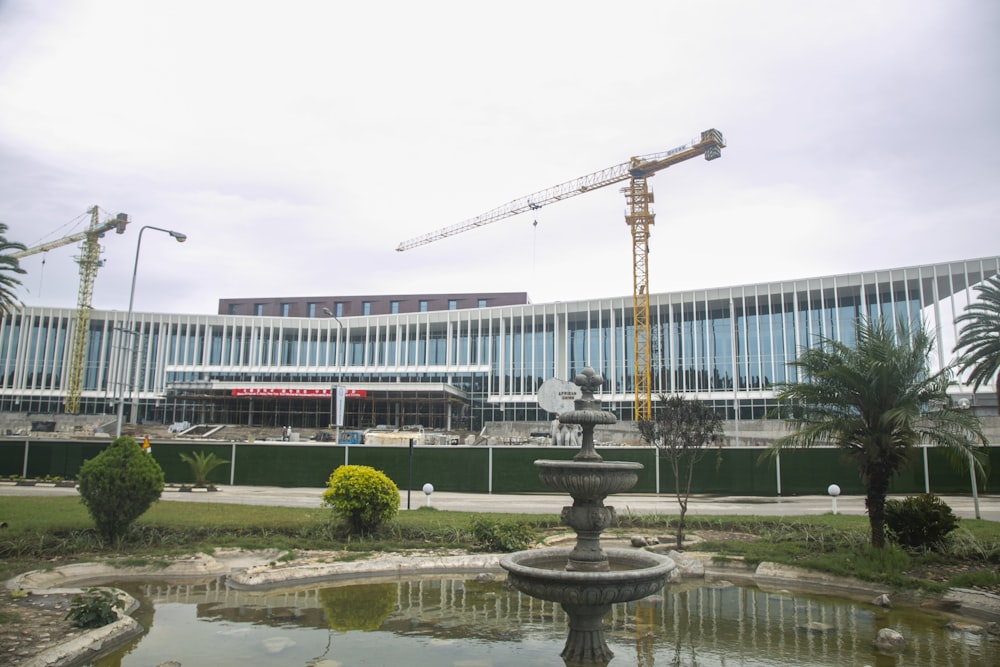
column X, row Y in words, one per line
column 587, row 579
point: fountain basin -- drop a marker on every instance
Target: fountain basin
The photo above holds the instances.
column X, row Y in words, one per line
column 632, row 576
column 593, row 415
column 588, row 479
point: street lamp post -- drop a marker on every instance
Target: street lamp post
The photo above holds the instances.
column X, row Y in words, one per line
column 130, row 371
column 333, row 394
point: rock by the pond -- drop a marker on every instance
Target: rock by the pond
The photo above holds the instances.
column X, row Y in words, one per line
column 959, row 626
column 687, row 567
column 889, row 641
column 882, row 601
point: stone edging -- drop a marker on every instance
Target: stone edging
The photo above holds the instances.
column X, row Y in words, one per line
column 93, row 642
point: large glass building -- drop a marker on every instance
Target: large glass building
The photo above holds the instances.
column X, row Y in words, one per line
column 460, row 369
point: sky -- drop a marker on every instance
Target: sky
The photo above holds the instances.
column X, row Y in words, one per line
column 296, row 144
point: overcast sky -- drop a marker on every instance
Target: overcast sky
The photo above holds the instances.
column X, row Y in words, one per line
column 298, row 143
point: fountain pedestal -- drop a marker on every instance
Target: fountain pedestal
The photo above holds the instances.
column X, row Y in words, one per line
column 587, row 579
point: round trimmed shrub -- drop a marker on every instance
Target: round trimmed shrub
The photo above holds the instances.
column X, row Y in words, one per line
column 919, row 522
column 363, row 496
column 118, row 485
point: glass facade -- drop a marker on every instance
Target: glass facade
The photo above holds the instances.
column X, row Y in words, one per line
column 459, row 369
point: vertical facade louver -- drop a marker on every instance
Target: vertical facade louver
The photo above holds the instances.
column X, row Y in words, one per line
column 460, row 369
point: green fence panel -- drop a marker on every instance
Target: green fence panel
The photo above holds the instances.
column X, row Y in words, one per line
column 11, row 458
column 750, row 472
column 729, row 471
column 725, row 472
column 69, row 457
column 60, row 458
column 393, row 461
column 514, row 468
column 456, row 469
column 946, row 477
column 286, row 465
column 811, row 471
column 647, row 457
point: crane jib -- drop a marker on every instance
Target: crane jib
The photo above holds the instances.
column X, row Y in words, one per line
column 709, row 144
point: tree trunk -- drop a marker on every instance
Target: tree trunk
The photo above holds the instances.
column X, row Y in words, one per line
column 878, row 486
column 680, row 525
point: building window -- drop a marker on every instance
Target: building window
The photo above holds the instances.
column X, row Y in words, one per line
column 338, row 309
column 452, row 304
column 284, row 309
column 366, row 307
column 258, row 309
column 423, row 306
column 481, row 303
column 311, row 310
column 394, row 307
column 234, row 309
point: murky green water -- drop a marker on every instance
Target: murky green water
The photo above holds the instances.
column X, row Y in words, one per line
column 464, row 623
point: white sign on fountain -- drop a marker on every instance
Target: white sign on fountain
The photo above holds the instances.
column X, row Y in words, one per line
column 558, row 396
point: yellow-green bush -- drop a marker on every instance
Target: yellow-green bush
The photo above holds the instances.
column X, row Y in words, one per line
column 362, row 496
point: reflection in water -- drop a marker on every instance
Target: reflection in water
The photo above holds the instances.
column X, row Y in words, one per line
column 434, row 622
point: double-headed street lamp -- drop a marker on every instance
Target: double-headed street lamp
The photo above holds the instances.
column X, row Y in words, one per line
column 130, row 372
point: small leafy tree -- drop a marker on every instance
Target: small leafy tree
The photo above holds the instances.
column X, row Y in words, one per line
column 118, row 485
column 201, row 464
column 364, row 497
column 681, row 429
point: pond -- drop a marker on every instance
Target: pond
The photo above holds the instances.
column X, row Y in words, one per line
column 464, row 622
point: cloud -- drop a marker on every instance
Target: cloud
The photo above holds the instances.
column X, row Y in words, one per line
column 298, row 144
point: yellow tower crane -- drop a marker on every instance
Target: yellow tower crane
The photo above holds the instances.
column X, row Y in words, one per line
column 639, row 219
column 89, row 261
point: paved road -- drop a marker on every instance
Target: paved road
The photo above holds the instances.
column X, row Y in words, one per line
column 543, row 503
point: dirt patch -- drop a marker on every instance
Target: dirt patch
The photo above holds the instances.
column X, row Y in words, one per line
column 32, row 624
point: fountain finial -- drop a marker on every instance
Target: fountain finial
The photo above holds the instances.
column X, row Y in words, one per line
column 589, row 382
column 587, row 413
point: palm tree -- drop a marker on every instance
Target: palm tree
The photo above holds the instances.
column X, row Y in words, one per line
column 201, row 464
column 978, row 343
column 876, row 401
column 8, row 265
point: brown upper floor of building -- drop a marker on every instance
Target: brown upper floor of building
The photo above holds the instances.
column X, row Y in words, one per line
column 374, row 304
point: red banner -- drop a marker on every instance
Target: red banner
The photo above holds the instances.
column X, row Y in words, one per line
column 285, row 392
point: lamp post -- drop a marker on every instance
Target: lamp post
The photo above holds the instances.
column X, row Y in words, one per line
column 130, row 372
column 333, row 394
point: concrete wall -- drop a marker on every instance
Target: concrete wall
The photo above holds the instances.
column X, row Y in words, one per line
column 743, row 433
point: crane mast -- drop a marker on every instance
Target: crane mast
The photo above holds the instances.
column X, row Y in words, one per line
column 89, row 261
column 639, row 219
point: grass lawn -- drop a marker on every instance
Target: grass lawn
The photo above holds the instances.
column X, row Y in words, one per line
column 51, row 531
